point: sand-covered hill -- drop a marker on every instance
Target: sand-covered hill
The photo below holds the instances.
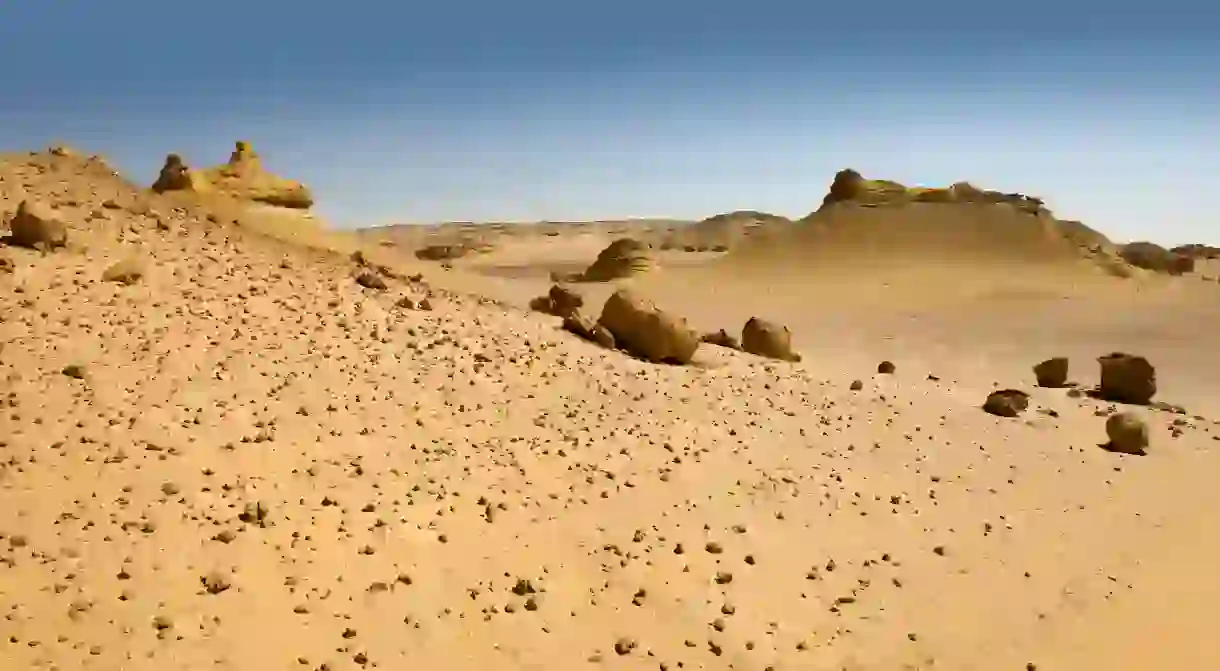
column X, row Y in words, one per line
column 876, row 226
column 224, row 448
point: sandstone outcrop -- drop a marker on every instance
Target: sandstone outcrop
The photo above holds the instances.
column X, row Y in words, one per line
column 242, row 177
column 623, row 258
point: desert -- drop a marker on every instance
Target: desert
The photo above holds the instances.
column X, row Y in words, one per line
column 913, row 428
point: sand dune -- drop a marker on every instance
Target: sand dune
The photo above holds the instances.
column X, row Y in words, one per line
column 253, row 449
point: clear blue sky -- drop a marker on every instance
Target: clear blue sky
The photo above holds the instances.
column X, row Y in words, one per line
column 408, row 112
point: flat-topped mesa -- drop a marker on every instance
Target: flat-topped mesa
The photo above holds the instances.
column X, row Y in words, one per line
column 242, row 177
column 851, row 187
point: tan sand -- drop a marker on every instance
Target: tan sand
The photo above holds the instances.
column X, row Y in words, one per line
column 245, row 460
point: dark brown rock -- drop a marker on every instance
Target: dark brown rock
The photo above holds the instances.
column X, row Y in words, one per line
column 721, row 338
column 1006, row 403
column 1052, row 373
column 1126, row 378
column 371, row 280
column 37, row 227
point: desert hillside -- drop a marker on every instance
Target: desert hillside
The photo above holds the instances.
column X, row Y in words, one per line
column 232, row 439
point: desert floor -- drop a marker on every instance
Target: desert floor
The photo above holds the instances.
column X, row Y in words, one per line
column 245, row 460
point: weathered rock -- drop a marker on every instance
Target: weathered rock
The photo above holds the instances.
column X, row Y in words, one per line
column 885, row 368
column 127, row 271
column 645, row 331
column 768, row 339
column 721, row 338
column 1052, row 373
column 1128, row 433
column 586, row 327
column 1006, row 403
column 177, row 176
column 6, row 265
column 1126, row 378
column 624, row 258
column 37, row 227
column 564, row 300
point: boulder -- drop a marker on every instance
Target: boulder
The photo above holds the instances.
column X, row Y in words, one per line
column 645, row 331
column 1006, row 403
column 1126, row 378
column 1127, row 433
column 37, row 227
column 768, row 339
column 623, row 258
column 1052, row 373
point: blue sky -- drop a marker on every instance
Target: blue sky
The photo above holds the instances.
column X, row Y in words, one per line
column 398, row 112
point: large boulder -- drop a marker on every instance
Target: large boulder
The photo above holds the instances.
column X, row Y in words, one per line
column 37, row 227
column 623, row 258
column 243, row 178
column 1126, row 378
column 768, row 339
column 647, row 332
column 1151, row 256
column 1052, row 373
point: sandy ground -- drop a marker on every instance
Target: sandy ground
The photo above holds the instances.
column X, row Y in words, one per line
column 248, row 461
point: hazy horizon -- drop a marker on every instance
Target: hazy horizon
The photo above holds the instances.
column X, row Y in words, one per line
column 549, row 111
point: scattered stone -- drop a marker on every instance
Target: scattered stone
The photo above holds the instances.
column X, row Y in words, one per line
column 885, row 368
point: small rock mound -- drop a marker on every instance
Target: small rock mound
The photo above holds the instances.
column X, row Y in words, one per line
column 768, row 339
column 624, row 258
column 645, row 331
column 1126, row 378
column 1151, row 256
column 1128, row 433
column 36, row 227
column 1006, row 403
